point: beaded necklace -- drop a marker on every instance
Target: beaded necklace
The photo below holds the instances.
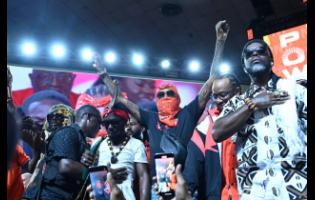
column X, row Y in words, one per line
column 114, row 158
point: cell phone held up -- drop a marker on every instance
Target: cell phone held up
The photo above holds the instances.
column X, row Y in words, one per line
column 165, row 174
column 98, row 177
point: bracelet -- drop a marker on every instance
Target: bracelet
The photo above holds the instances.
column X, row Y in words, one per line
column 251, row 105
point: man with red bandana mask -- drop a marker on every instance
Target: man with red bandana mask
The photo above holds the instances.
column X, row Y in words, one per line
column 170, row 118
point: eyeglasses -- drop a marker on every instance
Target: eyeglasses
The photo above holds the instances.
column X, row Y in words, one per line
column 57, row 117
column 106, row 123
column 259, row 51
column 222, row 95
column 168, row 93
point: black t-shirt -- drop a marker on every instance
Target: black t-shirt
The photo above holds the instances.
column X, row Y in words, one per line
column 194, row 172
column 68, row 142
column 203, row 172
column 187, row 121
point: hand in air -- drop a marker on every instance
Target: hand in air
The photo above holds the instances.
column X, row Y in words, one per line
column 222, row 29
column 97, row 64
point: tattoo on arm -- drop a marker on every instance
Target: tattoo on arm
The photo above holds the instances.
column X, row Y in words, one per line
column 219, row 47
column 206, row 89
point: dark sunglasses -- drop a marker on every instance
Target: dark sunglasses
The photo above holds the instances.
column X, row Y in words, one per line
column 57, row 116
column 106, row 123
column 259, row 51
column 168, row 93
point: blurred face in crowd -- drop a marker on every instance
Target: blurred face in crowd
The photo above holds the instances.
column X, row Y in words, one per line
column 222, row 91
column 133, row 127
column 38, row 110
column 138, row 88
column 60, row 81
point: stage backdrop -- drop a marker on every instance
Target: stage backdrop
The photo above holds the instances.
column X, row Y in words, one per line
column 289, row 48
column 135, row 88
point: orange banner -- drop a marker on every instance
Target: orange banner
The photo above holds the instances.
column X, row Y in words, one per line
column 289, row 48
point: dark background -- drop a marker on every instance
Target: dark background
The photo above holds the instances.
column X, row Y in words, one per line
column 176, row 29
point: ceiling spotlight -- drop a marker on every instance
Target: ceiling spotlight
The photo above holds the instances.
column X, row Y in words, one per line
column 194, row 66
column 165, row 64
column 87, row 54
column 28, row 48
column 225, row 68
column 137, row 59
column 110, row 57
column 58, row 51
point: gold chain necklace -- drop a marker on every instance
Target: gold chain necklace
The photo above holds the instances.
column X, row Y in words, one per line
column 114, row 158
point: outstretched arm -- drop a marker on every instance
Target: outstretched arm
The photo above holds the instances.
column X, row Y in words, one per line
column 112, row 87
column 222, row 30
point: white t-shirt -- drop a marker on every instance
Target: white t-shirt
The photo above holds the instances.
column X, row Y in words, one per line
column 133, row 152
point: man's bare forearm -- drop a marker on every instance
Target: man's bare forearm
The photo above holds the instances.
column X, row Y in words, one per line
column 226, row 126
column 219, row 47
column 109, row 83
column 144, row 185
column 132, row 107
column 206, row 90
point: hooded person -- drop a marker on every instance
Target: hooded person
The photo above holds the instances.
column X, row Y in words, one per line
column 59, row 116
column 168, row 106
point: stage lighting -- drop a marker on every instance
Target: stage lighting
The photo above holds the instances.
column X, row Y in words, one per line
column 110, row 57
column 137, row 59
column 87, row 54
column 194, row 66
column 28, row 48
column 225, row 68
column 165, row 64
column 58, row 51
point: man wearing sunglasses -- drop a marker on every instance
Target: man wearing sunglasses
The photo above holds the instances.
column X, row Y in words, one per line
column 124, row 152
column 170, row 118
column 203, row 171
column 270, row 122
column 62, row 178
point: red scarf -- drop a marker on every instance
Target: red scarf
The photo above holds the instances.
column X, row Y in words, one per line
column 85, row 99
column 168, row 107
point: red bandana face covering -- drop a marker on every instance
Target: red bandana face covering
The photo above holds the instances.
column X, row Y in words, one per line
column 168, row 107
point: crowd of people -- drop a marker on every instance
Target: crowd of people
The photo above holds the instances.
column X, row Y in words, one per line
column 227, row 143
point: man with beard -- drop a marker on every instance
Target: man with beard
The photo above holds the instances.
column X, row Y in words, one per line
column 123, row 151
column 170, row 119
column 206, row 177
column 63, row 171
column 270, row 122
